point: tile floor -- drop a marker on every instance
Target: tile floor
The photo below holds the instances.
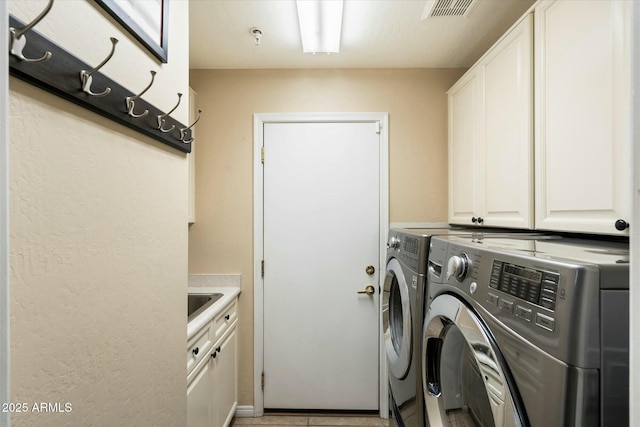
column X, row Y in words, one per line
column 323, row 420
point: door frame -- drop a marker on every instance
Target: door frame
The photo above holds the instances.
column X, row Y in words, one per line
column 259, row 120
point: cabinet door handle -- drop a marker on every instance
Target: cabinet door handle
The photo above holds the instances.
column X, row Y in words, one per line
column 196, row 351
column 474, row 219
column 214, row 354
column 480, row 220
column 218, row 349
column 621, row 225
column 227, row 317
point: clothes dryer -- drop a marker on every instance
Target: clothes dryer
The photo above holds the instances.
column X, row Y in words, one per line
column 402, row 315
column 531, row 331
column 403, row 304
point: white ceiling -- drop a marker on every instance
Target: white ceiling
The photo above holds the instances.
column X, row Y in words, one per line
column 375, row 34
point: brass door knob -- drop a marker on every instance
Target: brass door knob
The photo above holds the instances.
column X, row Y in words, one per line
column 369, row 290
column 370, row 269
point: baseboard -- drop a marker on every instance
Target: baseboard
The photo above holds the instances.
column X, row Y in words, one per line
column 245, row 412
column 249, row 412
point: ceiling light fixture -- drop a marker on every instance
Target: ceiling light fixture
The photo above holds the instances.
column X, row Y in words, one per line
column 320, row 25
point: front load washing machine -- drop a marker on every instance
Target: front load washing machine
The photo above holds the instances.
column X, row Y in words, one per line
column 526, row 332
column 403, row 302
column 402, row 319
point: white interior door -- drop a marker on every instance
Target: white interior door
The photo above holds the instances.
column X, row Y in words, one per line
column 321, row 231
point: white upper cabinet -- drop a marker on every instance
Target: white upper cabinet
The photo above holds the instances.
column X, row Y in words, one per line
column 582, row 116
column 491, row 138
column 465, row 150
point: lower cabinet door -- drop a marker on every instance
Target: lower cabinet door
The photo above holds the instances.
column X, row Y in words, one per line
column 199, row 396
column 225, row 379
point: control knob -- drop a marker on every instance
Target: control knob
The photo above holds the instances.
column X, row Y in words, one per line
column 458, row 267
column 394, row 242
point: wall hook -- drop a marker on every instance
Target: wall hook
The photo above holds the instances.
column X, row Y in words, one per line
column 162, row 117
column 18, row 40
column 86, row 76
column 131, row 100
column 183, row 131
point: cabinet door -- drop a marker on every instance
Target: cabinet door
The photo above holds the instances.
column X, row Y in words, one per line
column 583, row 95
column 507, row 74
column 199, row 399
column 465, row 150
column 225, row 380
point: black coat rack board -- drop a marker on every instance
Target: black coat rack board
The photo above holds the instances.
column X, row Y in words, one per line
column 60, row 74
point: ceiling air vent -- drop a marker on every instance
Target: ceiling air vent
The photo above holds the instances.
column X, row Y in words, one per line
column 447, row 8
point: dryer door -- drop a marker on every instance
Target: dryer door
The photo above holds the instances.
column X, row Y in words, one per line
column 396, row 319
column 464, row 379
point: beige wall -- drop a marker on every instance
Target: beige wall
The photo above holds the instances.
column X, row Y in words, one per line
column 221, row 240
column 98, row 235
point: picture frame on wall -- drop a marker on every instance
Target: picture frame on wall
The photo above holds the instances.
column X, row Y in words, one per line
column 147, row 21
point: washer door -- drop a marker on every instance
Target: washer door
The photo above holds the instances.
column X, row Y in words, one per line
column 464, row 380
column 396, row 318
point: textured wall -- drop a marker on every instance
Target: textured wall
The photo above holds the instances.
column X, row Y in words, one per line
column 98, row 233
column 221, row 240
column 4, row 217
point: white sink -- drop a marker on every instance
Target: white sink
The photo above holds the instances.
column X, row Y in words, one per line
column 197, row 303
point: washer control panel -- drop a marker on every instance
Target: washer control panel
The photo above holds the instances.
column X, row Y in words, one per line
column 409, row 248
column 524, row 285
column 547, row 291
column 519, row 294
column 532, row 285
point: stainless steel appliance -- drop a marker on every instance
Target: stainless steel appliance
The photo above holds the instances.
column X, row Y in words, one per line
column 403, row 302
column 402, row 316
column 527, row 331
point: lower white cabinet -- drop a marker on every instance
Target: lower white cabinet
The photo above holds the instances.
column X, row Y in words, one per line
column 224, row 374
column 199, row 391
column 212, row 392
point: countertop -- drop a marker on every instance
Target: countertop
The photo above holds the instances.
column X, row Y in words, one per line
column 229, row 294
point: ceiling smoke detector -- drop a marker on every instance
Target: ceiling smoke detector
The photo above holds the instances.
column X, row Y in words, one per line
column 257, row 35
column 447, row 8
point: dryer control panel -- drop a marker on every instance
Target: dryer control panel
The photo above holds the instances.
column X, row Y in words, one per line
column 532, row 285
column 535, row 287
column 408, row 248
